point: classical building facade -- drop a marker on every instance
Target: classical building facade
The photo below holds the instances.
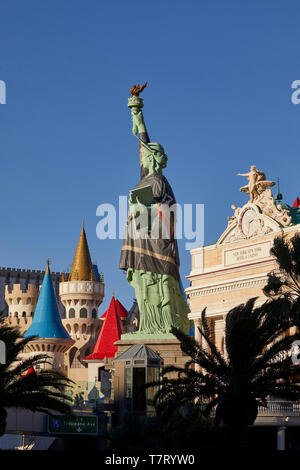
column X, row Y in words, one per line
column 235, row 268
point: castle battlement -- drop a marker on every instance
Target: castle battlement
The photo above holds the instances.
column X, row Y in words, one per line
column 21, row 301
column 90, row 288
column 18, row 291
column 35, row 272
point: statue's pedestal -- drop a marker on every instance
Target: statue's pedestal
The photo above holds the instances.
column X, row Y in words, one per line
column 167, row 346
column 131, row 372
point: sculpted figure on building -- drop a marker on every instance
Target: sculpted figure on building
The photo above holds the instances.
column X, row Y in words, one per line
column 261, row 215
column 257, row 183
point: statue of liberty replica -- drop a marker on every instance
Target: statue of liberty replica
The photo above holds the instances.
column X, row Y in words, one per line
column 150, row 252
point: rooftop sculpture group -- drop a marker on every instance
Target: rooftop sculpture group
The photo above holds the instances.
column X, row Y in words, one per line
column 257, row 183
column 260, row 215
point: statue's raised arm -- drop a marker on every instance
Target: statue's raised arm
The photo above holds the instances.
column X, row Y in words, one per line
column 135, row 103
column 152, row 155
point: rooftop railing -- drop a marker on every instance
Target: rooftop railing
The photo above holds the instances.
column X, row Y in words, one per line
column 280, row 408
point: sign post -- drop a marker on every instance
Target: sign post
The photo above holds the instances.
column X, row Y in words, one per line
column 78, row 425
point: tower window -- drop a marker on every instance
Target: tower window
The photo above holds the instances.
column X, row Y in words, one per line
column 94, row 313
column 74, row 357
column 71, row 313
column 83, row 313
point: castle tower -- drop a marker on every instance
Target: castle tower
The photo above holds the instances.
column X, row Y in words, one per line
column 81, row 293
column 52, row 338
column 21, row 305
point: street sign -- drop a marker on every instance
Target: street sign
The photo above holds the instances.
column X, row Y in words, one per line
column 73, row 425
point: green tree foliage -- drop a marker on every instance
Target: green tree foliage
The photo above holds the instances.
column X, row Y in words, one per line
column 257, row 366
column 284, row 283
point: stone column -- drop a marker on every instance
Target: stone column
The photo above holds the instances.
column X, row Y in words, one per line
column 198, row 338
column 281, row 438
column 224, row 334
column 220, row 334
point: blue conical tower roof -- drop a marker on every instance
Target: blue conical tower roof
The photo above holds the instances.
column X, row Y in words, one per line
column 46, row 322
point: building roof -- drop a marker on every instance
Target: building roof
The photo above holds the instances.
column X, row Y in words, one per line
column 111, row 332
column 82, row 268
column 96, row 273
column 294, row 211
column 30, row 371
column 121, row 309
column 139, row 351
column 283, row 204
column 46, row 321
column 297, row 202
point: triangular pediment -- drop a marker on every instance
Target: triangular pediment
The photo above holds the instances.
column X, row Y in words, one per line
column 248, row 222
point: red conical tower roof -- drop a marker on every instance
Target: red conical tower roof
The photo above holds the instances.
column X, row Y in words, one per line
column 297, row 202
column 111, row 332
column 122, row 310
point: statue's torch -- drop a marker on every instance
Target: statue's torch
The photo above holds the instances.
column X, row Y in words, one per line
column 135, row 103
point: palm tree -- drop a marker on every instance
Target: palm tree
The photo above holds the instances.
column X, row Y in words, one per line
column 235, row 386
column 45, row 391
column 285, row 282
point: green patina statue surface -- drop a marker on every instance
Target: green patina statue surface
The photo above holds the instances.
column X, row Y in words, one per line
column 152, row 262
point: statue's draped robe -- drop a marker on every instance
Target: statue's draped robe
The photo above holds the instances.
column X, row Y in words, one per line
column 149, row 254
column 155, row 263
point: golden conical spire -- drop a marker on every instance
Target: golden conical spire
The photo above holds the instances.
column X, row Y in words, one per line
column 48, row 267
column 82, row 268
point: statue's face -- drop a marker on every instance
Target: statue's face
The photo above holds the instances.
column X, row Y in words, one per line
column 153, row 160
column 147, row 159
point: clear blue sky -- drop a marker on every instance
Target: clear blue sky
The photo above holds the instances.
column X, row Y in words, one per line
column 219, row 76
